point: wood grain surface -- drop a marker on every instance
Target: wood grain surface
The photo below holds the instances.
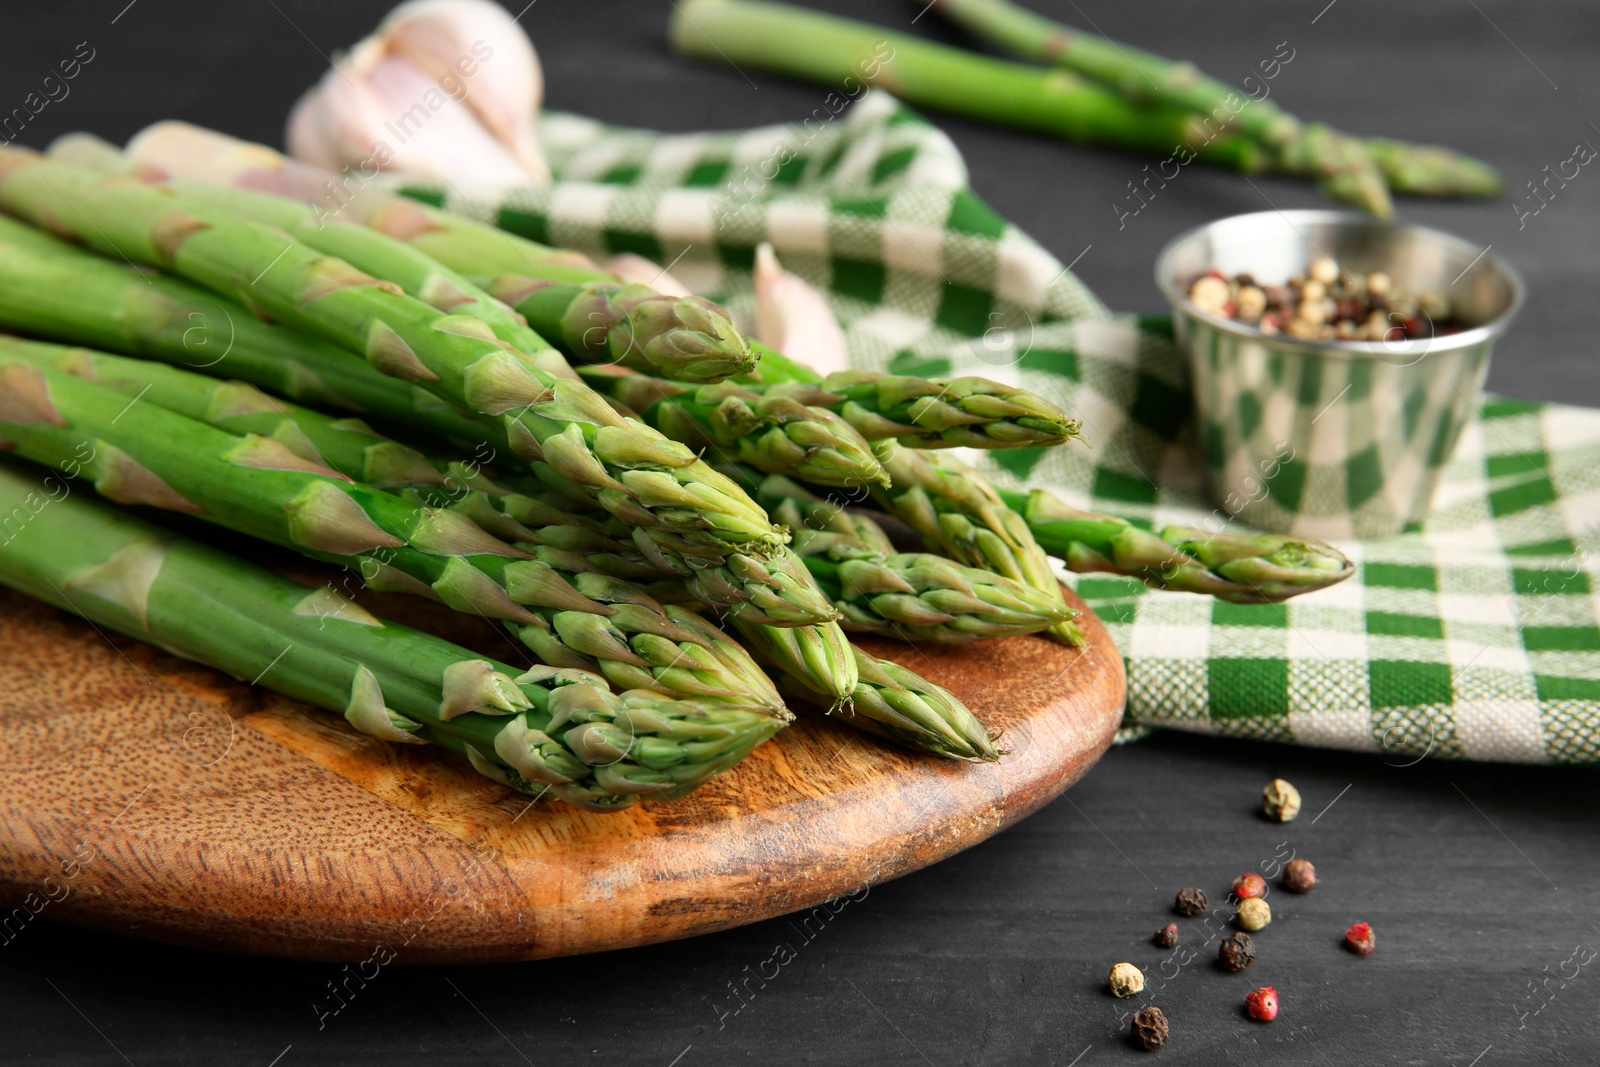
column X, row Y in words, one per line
column 153, row 796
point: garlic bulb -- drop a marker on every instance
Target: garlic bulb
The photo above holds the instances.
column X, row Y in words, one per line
column 445, row 89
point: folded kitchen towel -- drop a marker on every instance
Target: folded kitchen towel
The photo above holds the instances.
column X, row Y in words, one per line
column 1474, row 638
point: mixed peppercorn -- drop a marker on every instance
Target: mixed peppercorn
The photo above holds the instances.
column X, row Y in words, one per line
column 1325, row 304
column 1149, row 1028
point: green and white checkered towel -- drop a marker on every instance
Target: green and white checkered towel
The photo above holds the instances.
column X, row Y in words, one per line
column 1476, row 638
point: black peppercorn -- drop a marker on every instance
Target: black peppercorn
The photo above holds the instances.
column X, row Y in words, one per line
column 1190, row 902
column 1150, row 1028
column 1237, row 952
column 1167, row 936
column 1299, row 876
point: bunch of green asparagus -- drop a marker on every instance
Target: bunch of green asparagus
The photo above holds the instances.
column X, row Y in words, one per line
column 1095, row 90
column 635, row 492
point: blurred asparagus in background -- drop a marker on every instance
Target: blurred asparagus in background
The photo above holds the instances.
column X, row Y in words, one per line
column 1349, row 168
column 1100, row 91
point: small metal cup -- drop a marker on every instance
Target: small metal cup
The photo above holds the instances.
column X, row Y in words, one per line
column 1334, row 439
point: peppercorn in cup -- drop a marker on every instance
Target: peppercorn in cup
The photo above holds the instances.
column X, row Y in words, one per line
column 1334, row 359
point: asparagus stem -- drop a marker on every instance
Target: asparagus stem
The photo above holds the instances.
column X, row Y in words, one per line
column 1242, row 569
column 831, row 50
column 143, row 453
column 597, row 322
column 417, row 275
column 572, row 738
column 570, row 301
column 53, row 289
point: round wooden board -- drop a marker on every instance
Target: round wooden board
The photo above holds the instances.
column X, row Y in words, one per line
column 151, row 796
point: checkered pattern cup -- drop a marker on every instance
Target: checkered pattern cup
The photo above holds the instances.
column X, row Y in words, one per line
column 1334, row 439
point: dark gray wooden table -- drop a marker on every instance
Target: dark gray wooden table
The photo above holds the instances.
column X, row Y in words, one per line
column 1480, row 880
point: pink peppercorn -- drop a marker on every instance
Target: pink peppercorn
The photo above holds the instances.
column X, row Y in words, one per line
column 1359, row 939
column 1249, row 884
column 1262, row 1003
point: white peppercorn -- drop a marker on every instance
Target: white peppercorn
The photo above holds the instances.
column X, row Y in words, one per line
column 1280, row 800
column 1125, row 979
column 1252, row 913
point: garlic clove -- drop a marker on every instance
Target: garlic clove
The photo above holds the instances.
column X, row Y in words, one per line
column 794, row 318
column 351, row 115
column 434, row 134
column 477, row 45
column 638, row 270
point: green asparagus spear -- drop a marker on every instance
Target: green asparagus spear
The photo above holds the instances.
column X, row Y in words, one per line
column 142, row 453
column 775, row 434
column 630, row 469
column 1343, row 163
column 934, row 413
column 1240, row 568
column 1430, row 170
column 814, row 520
column 627, row 466
column 820, row 657
column 570, row 301
column 596, row 322
column 958, row 514
column 55, row 290
column 557, row 732
column 914, row 596
column 684, row 337
column 415, row 273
